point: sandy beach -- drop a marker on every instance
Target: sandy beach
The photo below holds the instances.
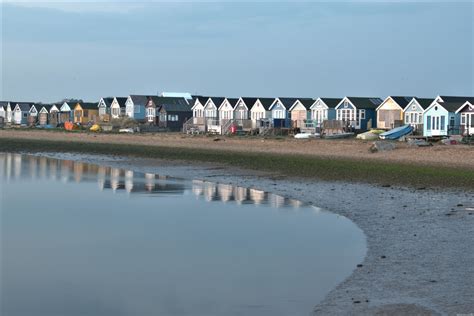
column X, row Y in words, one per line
column 438, row 155
column 419, row 259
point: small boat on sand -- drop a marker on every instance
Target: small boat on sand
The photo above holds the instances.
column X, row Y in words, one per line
column 338, row 135
column 396, row 133
column 307, row 135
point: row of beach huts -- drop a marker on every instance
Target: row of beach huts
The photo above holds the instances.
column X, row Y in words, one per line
column 428, row 117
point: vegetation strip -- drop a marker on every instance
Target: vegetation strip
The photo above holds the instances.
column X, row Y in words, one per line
column 288, row 165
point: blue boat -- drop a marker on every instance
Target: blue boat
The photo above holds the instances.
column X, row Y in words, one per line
column 396, row 133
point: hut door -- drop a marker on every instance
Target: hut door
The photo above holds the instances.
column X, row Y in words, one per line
column 470, row 123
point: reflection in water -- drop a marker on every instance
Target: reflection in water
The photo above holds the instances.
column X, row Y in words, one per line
column 132, row 182
column 96, row 240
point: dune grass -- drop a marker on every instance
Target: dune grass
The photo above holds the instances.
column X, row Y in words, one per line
column 300, row 166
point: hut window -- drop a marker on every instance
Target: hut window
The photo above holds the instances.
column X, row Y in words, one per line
column 362, row 114
column 428, row 123
column 442, row 123
column 173, row 117
column 463, row 118
column 407, row 118
column 420, row 119
column 451, row 121
column 25, row 115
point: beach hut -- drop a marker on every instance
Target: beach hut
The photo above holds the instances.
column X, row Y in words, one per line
column 66, row 112
column 260, row 112
column 242, row 108
column 9, row 112
column 226, row 110
column 323, row 109
column 413, row 113
column 43, row 115
column 117, row 107
column 198, row 109
column 211, row 106
column 152, row 110
column 279, row 110
column 21, row 112
column 211, row 114
column 390, row 111
column 467, row 118
column 358, row 113
column 32, row 115
column 53, row 117
column 300, row 112
column 441, row 117
column 85, row 112
column 3, row 109
column 173, row 112
column 135, row 107
column 104, row 108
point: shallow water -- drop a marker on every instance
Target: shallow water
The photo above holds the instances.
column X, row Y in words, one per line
column 82, row 239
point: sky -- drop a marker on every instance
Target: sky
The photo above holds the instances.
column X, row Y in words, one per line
column 90, row 49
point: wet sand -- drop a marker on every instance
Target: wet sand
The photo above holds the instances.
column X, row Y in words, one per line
column 420, row 241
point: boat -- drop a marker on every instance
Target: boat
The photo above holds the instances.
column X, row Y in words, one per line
column 397, row 132
column 95, row 128
column 368, row 136
column 126, row 130
column 338, row 135
column 306, row 135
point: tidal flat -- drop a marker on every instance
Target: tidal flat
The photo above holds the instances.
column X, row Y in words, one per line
column 419, row 258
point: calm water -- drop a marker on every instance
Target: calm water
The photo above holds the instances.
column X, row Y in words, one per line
column 79, row 239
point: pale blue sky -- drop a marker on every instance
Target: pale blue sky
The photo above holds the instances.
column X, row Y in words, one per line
column 88, row 50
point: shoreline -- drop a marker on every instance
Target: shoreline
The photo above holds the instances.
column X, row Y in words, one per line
column 284, row 163
column 419, row 258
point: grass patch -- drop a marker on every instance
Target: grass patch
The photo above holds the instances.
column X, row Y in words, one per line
column 288, row 165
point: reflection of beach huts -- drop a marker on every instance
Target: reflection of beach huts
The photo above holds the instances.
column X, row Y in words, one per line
column 225, row 192
column 150, row 182
column 210, row 191
column 101, row 177
column 114, row 178
column 197, row 187
column 276, row 200
column 32, row 166
column 129, row 181
column 257, row 196
column 78, row 170
column 17, row 166
column 240, row 194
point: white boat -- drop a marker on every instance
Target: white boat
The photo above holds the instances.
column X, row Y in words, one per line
column 368, row 136
column 306, row 135
column 126, row 130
